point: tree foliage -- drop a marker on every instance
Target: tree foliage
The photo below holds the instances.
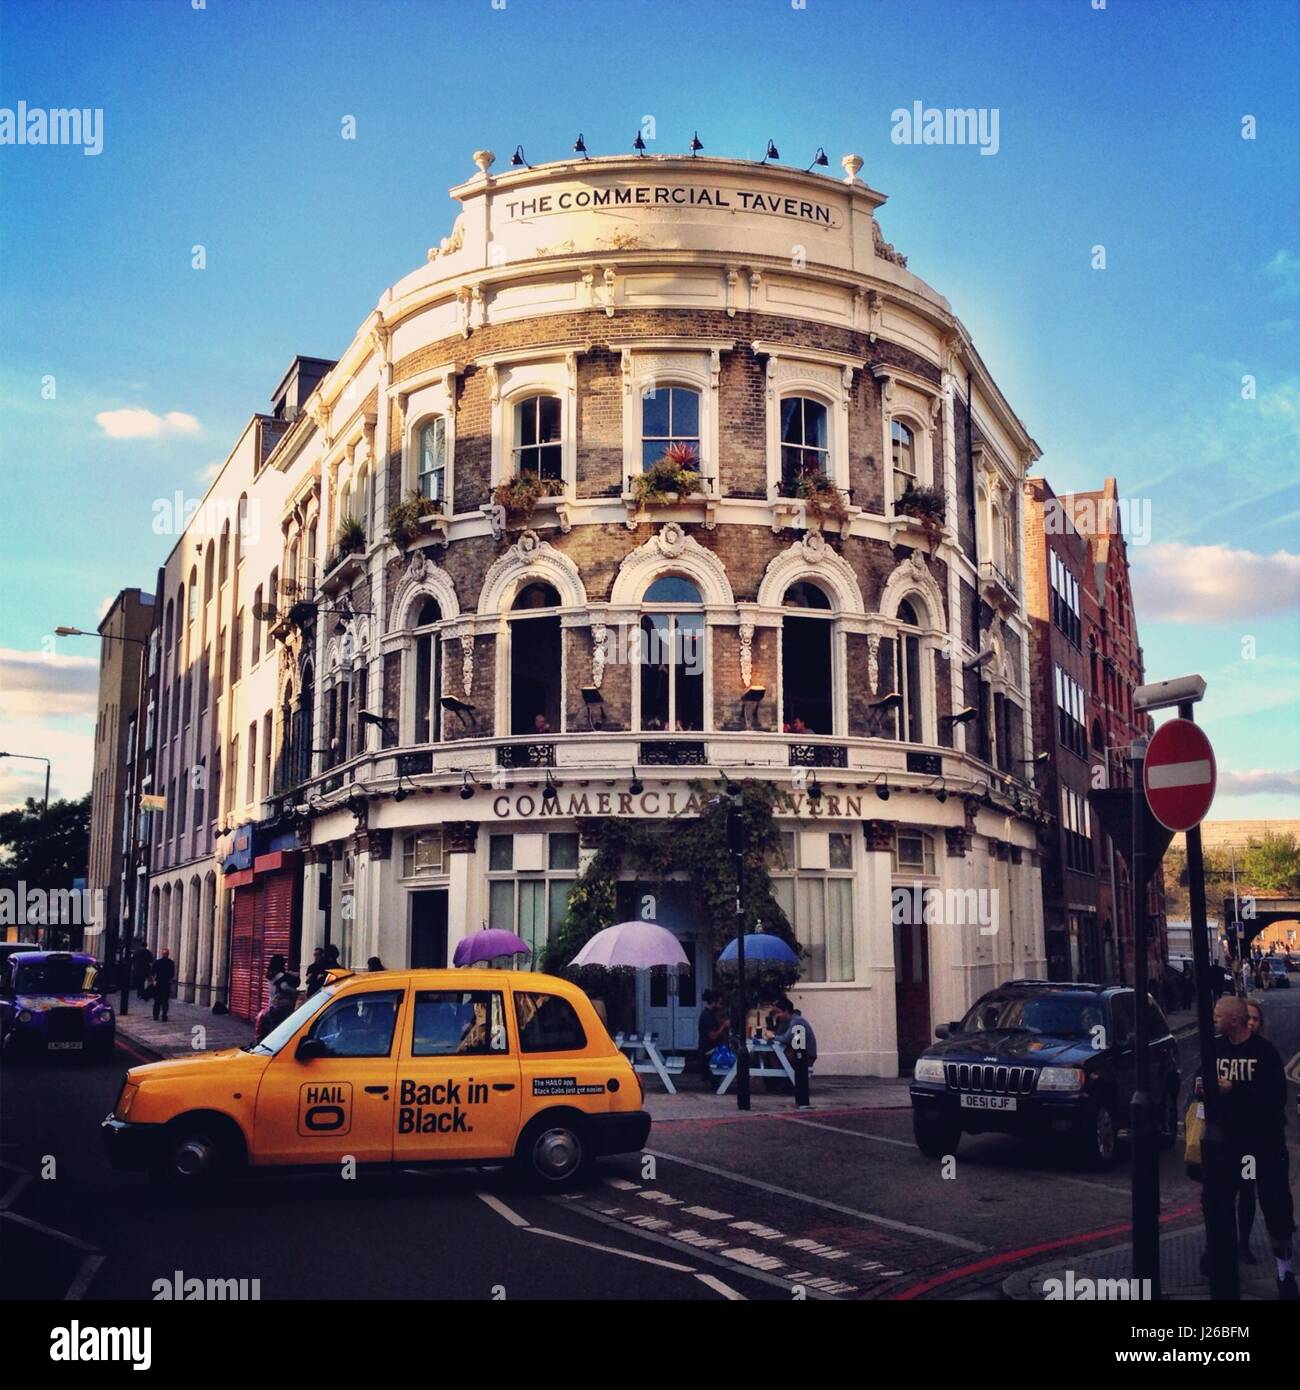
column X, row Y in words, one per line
column 48, row 851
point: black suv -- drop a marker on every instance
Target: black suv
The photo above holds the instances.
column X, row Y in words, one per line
column 1045, row 1059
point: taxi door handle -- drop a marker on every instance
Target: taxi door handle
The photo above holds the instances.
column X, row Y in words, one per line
column 503, row 1085
column 377, row 1090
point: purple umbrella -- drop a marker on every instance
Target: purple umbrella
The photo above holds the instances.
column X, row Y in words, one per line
column 638, row 944
column 489, row 944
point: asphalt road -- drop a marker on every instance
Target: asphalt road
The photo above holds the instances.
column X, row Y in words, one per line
column 821, row 1204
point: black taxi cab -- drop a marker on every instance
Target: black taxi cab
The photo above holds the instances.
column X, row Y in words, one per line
column 401, row 1068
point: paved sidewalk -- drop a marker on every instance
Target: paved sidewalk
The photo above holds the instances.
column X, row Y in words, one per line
column 693, row 1102
column 177, row 1037
column 1180, row 1273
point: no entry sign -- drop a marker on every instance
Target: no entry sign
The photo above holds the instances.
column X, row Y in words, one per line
column 1179, row 775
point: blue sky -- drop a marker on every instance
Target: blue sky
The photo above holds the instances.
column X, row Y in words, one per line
column 1119, row 127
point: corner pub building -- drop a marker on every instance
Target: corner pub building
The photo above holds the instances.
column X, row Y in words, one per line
column 408, row 688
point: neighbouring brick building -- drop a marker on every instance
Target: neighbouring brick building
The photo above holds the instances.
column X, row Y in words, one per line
column 1115, row 670
column 124, row 631
column 386, row 728
column 1056, row 566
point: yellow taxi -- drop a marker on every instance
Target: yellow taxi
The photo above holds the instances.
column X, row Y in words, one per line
column 401, row 1067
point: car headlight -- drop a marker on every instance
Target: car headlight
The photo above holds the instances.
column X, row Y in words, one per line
column 24, row 1015
column 928, row 1069
column 1060, row 1079
column 125, row 1100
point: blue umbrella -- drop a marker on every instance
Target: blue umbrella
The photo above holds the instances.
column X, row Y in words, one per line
column 762, row 946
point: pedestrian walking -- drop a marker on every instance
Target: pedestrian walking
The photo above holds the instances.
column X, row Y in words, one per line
column 141, row 963
column 160, row 983
column 795, row 1034
column 714, row 1028
column 1253, row 1094
column 1246, row 1199
column 282, row 999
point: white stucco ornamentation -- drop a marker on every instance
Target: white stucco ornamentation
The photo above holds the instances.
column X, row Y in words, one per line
column 671, row 549
column 538, row 560
column 599, row 652
column 747, row 650
column 913, row 576
column 822, row 565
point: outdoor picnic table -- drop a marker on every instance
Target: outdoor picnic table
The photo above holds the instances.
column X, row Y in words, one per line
column 648, row 1043
column 766, row 1051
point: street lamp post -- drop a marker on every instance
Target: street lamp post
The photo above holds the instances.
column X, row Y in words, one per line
column 129, row 894
column 736, row 844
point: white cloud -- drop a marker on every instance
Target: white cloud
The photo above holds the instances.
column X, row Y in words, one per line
column 38, row 686
column 207, row 474
column 1259, row 782
column 1180, row 583
column 144, row 424
column 1284, row 271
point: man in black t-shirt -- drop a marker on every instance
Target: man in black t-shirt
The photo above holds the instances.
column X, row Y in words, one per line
column 1252, row 1104
column 713, row 1030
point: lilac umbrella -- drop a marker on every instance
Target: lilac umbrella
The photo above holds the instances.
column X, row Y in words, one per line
column 489, row 944
column 640, row 945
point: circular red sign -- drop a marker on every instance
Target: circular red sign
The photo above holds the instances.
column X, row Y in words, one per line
column 1179, row 774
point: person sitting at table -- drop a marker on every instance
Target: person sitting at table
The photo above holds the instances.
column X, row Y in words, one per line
column 714, row 1028
column 795, row 1035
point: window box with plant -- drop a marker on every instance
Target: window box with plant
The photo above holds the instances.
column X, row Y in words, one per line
column 924, row 505
column 413, row 516
column 518, row 497
column 671, row 477
column 822, row 500
column 347, row 560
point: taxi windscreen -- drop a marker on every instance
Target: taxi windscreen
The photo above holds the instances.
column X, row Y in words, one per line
column 55, row 977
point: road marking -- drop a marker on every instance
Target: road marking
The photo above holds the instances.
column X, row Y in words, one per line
column 19, row 1183
column 501, row 1209
column 50, row 1231
column 85, row 1275
column 870, row 1217
column 856, row 1133
column 724, row 1289
column 613, row 1250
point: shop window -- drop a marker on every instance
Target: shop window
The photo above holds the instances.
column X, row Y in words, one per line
column 535, row 661
column 669, row 415
column 914, row 852
column 423, row 852
column 458, row 1023
column 532, row 905
column 907, row 675
column 428, row 691
column 805, row 438
column 818, row 904
column 548, row 1023
column 672, row 656
column 807, row 682
column 538, row 438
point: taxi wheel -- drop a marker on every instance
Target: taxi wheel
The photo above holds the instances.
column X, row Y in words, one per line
column 553, row 1151
column 195, row 1156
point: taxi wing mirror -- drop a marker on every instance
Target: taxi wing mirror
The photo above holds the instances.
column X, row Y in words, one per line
column 309, row 1048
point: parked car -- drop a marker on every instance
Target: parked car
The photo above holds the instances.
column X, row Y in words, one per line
column 9, row 949
column 51, row 1001
column 1044, row 1059
column 1275, row 973
column 394, row 1067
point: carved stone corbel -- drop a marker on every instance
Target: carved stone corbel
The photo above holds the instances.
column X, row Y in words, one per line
column 747, row 650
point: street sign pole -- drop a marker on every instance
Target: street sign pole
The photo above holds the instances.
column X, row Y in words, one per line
column 1220, row 1230
column 1146, row 1164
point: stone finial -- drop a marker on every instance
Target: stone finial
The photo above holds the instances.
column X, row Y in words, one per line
column 851, row 163
column 484, row 159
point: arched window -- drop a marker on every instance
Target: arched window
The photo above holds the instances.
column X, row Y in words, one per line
column 431, row 472
column 903, row 446
column 538, row 448
column 293, row 566
column 241, row 528
column 224, row 555
column 669, row 415
column 303, row 741
column 361, row 498
column 673, row 659
column 535, row 660
column 807, row 682
column 805, row 437
column 427, row 726
column 907, row 674
column 273, row 599
column 305, row 579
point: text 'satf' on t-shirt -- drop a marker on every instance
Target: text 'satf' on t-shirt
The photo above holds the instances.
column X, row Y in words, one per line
column 1256, row 1104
